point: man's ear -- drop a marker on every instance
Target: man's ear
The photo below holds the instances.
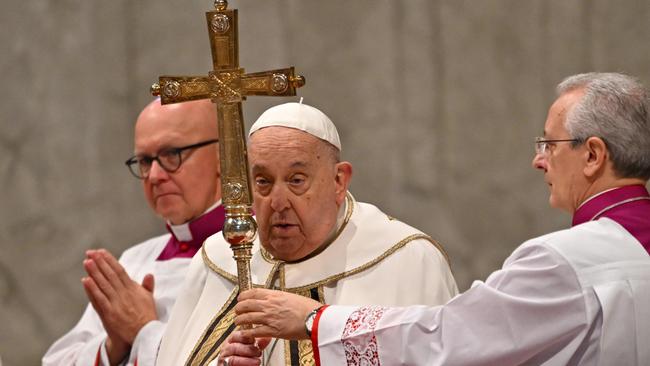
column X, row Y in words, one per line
column 342, row 180
column 597, row 156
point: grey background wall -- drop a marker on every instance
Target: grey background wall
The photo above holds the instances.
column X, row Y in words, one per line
column 437, row 103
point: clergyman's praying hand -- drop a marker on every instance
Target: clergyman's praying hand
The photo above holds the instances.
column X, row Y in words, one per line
column 123, row 305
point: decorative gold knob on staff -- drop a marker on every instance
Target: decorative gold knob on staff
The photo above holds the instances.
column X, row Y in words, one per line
column 296, row 81
column 240, row 230
column 220, row 5
column 155, row 89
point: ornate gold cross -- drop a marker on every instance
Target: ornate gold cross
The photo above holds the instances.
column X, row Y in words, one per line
column 227, row 86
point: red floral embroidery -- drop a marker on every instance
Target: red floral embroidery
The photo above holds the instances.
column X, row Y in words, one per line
column 359, row 341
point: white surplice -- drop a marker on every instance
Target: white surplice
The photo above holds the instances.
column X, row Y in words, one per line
column 374, row 258
column 80, row 345
column 580, row 296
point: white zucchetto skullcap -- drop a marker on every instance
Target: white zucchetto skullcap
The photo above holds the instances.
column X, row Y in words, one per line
column 301, row 117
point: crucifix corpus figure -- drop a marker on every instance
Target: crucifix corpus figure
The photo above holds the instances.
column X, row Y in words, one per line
column 227, row 86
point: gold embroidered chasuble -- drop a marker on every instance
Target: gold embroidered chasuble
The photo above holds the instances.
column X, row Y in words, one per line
column 373, row 258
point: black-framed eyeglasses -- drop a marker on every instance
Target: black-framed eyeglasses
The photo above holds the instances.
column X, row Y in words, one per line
column 541, row 144
column 169, row 159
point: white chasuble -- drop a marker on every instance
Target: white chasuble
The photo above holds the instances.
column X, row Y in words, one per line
column 373, row 258
column 574, row 297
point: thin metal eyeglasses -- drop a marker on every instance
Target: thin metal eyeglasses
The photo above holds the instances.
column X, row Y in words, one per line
column 169, row 159
column 541, row 145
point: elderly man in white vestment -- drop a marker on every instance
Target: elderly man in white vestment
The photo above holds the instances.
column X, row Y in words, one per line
column 579, row 296
column 177, row 160
column 315, row 240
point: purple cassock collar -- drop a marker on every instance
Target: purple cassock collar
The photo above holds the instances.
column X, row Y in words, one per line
column 629, row 206
column 186, row 239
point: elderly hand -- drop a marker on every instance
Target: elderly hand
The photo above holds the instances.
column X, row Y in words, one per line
column 274, row 313
column 242, row 350
column 123, row 305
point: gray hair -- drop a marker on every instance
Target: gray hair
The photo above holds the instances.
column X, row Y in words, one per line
column 616, row 108
column 332, row 151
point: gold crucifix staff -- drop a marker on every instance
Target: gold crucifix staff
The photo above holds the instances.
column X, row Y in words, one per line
column 227, row 86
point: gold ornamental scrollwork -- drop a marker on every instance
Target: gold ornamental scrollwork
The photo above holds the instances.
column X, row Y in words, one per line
column 220, row 23
column 172, row 89
column 279, row 83
column 259, row 84
column 234, row 191
column 227, row 86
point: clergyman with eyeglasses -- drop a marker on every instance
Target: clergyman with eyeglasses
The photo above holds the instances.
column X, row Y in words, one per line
column 579, row 296
column 176, row 159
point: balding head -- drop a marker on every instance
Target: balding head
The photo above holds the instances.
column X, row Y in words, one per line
column 188, row 192
column 196, row 118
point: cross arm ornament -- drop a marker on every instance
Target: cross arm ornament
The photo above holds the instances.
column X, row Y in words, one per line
column 227, row 86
